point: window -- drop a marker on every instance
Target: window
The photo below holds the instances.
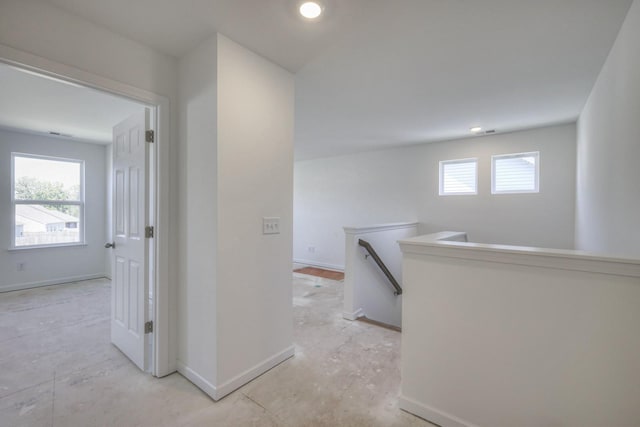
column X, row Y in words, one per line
column 458, row 177
column 515, row 173
column 48, row 201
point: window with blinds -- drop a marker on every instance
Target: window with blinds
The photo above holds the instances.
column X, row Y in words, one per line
column 458, row 177
column 515, row 173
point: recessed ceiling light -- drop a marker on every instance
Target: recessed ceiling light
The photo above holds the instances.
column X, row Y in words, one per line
column 310, row 10
column 476, row 129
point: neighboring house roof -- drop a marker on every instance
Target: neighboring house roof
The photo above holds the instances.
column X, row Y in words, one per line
column 29, row 225
column 43, row 215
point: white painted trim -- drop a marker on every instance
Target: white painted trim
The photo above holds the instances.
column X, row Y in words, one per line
column 353, row 316
column 445, row 236
column 197, row 379
column 379, row 227
column 51, row 246
column 165, row 352
column 80, row 203
column 561, row 259
column 217, row 393
column 334, row 267
column 67, row 73
column 432, row 415
column 60, row 281
column 252, row 373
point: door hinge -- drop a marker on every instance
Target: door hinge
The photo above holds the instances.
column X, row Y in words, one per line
column 148, row 327
column 148, row 232
column 149, row 136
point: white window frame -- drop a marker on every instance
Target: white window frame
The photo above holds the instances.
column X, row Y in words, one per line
column 443, row 163
column 14, row 202
column 535, row 154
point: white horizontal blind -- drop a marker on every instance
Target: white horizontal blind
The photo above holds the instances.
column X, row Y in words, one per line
column 459, row 177
column 515, row 173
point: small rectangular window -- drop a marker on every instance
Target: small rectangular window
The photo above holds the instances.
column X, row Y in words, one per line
column 48, row 201
column 458, row 177
column 515, row 173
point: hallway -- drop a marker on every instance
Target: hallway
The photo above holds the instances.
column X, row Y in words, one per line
column 57, row 368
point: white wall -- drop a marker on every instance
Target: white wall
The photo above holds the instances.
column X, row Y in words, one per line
column 608, row 176
column 255, row 163
column 235, row 310
column 199, row 216
column 367, row 291
column 63, row 264
column 502, row 337
column 41, row 29
column 402, row 185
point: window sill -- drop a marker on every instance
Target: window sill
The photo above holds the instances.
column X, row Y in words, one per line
column 497, row 193
column 56, row 246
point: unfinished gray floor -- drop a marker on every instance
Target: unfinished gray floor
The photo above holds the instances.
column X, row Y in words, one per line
column 57, row 368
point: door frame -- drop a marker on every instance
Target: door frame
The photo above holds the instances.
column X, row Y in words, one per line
column 163, row 359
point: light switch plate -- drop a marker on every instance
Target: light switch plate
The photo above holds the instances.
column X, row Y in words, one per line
column 271, row 225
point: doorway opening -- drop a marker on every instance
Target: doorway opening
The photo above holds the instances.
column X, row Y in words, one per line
column 51, row 237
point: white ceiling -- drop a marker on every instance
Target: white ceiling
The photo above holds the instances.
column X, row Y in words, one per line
column 378, row 73
column 271, row 28
column 428, row 70
column 36, row 104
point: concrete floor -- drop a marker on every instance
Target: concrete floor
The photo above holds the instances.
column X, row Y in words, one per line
column 58, row 368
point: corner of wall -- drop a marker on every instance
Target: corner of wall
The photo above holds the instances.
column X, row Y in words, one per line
column 606, row 172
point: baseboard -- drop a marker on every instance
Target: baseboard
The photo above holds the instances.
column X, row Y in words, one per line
column 432, row 415
column 60, row 281
column 250, row 374
column 198, row 380
column 354, row 315
column 310, row 263
column 217, row 393
column 169, row 369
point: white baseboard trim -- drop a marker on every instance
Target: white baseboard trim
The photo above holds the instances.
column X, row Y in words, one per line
column 432, row 415
column 354, row 315
column 310, row 263
column 198, row 380
column 170, row 369
column 217, row 393
column 251, row 373
column 60, row 281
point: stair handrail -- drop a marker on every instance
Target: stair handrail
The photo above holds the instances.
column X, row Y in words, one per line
column 397, row 288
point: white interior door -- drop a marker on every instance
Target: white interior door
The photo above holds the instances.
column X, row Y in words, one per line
column 130, row 284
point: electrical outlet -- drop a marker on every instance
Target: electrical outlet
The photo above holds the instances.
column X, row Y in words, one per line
column 311, row 249
column 271, row 225
column 20, row 266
